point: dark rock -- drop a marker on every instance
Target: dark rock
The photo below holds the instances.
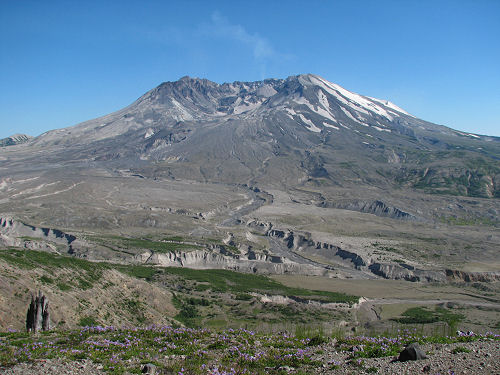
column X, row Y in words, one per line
column 426, row 368
column 149, row 368
column 411, row 353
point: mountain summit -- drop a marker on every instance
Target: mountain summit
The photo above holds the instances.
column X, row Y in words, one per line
column 305, row 99
column 303, row 129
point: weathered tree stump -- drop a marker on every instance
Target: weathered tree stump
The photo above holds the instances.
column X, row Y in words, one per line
column 38, row 316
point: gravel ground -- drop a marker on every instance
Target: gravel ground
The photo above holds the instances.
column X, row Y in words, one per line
column 483, row 358
column 54, row 367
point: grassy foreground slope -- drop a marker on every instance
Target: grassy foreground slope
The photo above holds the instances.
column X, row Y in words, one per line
column 203, row 351
column 90, row 293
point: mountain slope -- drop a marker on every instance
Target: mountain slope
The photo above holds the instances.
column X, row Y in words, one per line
column 292, row 131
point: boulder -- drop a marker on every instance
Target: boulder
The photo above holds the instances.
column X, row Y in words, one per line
column 411, row 352
column 149, row 368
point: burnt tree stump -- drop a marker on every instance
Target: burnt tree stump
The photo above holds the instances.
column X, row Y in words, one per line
column 38, row 316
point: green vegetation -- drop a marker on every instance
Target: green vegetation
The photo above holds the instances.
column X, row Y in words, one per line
column 304, row 330
column 418, row 315
column 231, row 248
column 225, row 287
column 235, row 282
column 135, row 308
column 87, row 273
column 31, row 259
column 453, row 220
column 46, row 280
column 87, row 321
column 202, row 296
column 187, row 315
column 243, row 297
column 422, row 315
column 444, row 172
column 63, row 286
column 460, row 349
column 188, row 312
column 472, row 183
column 386, row 248
column 138, row 271
column 165, row 246
column 174, row 239
column 348, row 165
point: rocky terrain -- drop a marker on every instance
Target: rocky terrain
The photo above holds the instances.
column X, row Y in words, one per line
column 297, row 181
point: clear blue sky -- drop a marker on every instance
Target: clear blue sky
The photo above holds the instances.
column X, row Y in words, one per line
column 64, row 62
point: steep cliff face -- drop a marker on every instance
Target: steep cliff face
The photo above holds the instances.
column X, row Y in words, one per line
column 487, row 277
column 250, row 262
column 16, row 233
column 376, row 207
column 303, row 243
column 405, row 272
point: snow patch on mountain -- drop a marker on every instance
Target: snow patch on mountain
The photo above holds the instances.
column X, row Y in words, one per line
column 245, row 107
column 266, row 91
column 361, row 101
column 381, row 129
column 330, row 126
column 344, row 101
column 391, row 105
column 468, row 134
column 348, row 114
column 181, row 113
column 290, row 113
column 324, row 112
column 309, row 124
